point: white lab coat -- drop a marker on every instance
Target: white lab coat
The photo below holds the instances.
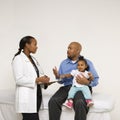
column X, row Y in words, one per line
column 26, row 88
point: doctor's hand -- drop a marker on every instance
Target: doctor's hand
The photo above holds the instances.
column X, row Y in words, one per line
column 82, row 80
column 42, row 79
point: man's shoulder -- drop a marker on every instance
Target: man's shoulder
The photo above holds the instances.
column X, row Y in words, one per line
column 65, row 60
column 88, row 60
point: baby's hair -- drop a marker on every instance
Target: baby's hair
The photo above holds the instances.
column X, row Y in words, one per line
column 81, row 58
column 23, row 41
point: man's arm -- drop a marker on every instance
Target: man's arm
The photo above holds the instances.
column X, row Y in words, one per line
column 92, row 69
column 65, row 76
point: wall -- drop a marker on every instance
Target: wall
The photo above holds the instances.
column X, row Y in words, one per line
column 55, row 23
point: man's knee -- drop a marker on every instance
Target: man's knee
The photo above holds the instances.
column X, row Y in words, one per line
column 51, row 102
column 79, row 102
column 80, row 105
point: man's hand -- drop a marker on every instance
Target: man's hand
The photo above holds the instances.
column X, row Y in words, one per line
column 82, row 80
column 91, row 77
column 55, row 72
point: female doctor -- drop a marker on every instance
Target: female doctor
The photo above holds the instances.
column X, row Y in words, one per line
column 27, row 76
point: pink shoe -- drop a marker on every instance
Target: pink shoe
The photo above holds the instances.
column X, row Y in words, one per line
column 69, row 104
column 89, row 103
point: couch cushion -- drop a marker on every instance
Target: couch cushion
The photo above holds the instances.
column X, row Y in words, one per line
column 102, row 102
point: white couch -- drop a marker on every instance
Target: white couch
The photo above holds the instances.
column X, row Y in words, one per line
column 103, row 105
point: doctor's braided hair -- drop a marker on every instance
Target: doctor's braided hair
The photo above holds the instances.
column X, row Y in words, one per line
column 23, row 41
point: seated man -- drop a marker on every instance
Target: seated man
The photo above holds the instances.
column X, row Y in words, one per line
column 79, row 103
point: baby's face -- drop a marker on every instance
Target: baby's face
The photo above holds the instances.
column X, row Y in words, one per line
column 81, row 66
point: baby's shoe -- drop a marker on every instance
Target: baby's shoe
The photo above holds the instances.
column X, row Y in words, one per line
column 89, row 103
column 69, row 104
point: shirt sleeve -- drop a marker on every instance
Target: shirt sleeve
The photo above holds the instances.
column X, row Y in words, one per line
column 94, row 72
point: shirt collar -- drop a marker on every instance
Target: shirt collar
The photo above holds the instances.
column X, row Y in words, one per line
column 70, row 61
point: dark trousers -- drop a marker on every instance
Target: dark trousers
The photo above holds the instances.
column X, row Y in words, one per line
column 56, row 101
column 30, row 116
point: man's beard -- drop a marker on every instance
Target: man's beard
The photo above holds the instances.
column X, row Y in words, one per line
column 69, row 57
